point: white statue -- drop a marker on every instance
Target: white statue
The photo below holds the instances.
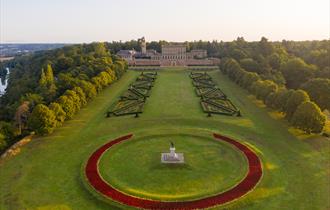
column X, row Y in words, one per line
column 172, row 151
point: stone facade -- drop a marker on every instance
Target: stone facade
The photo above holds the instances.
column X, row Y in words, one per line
column 199, row 54
column 128, row 55
column 173, row 54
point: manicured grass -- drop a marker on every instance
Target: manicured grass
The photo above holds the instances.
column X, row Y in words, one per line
column 104, row 191
column 47, row 171
column 210, row 167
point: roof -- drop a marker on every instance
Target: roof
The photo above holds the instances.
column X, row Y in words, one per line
column 174, row 45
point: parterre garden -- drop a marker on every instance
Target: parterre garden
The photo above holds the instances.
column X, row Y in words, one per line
column 284, row 171
column 133, row 100
column 213, row 100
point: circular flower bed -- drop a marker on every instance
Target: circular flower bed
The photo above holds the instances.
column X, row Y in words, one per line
column 247, row 184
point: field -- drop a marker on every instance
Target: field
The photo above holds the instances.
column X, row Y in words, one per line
column 47, row 172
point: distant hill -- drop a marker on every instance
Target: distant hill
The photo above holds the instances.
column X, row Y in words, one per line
column 10, row 50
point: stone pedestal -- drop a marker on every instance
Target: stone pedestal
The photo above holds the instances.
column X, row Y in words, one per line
column 172, row 157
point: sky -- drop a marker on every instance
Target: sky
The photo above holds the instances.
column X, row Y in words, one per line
column 77, row 21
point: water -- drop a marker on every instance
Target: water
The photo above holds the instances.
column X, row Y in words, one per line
column 3, row 84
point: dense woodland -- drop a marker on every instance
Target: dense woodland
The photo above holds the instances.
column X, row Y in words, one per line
column 49, row 87
column 290, row 77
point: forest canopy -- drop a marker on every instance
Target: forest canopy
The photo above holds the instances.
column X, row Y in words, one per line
column 48, row 87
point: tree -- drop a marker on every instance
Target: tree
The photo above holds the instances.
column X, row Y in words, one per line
column 75, row 98
column 250, row 65
column 8, row 130
column 274, row 61
column 275, row 76
column 270, row 99
column 21, row 116
column 42, row 80
column 42, row 120
column 296, row 72
column 42, row 77
column 65, row 81
column 3, row 142
column 238, row 54
column 296, row 98
column 265, row 47
column 97, row 83
column 64, row 63
column 320, row 57
column 99, row 49
column 59, row 113
column 47, row 87
column 67, row 105
column 323, row 73
column 88, row 88
column 81, row 94
column 33, row 99
column 223, row 64
column 249, row 78
column 105, row 78
column 113, row 74
column 319, row 91
column 281, row 98
column 233, row 69
column 309, row 118
column 49, row 74
column 262, row 88
column 120, row 67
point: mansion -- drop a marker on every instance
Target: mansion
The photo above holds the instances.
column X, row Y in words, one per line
column 173, row 54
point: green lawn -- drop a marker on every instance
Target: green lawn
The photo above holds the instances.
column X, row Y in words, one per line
column 47, row 172
column 210, row 167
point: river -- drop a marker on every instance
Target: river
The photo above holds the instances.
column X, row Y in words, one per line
column 3, row 84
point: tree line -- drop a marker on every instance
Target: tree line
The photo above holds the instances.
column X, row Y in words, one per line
column 49, row 87
column 299, row 110
column 294, row 64
column 292, row 77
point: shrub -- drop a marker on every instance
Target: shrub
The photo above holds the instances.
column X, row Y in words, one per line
column 262, row 88
column 309, row 118
column 3, row 142
column 75, row 98
column 81, row 94
column 97, row 83
column 296, row 98
column 250, row 65
column 282, row 98
column 42, row 120
column 59, row 113
column 249, row 78
column 319, row 91
column 68, row 106
column 88, row 88
column 270, row 99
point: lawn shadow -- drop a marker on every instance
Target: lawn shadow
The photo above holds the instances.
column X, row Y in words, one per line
column 164, row 166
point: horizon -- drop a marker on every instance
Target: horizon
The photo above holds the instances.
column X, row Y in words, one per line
column 148, row 41
column 86, row 21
